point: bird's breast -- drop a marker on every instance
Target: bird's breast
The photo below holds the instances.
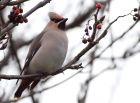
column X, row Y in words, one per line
column 50, row 55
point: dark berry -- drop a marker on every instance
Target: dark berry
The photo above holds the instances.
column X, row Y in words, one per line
column 16, row 19
column 90, row 28
column 89, row 39
column 21, row 21
column 21, row 10
column 135, row 9
column 134, row 18
column 137, row 15
column 86, row 30
column 25, row 20
column 84, row 41
column 87, row 33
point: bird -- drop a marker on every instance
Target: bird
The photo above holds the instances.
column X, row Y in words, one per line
column 47, row 52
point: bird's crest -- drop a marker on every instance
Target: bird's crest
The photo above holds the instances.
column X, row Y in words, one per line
column 55, row 17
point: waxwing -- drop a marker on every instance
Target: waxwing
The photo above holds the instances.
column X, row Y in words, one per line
column 46, row 53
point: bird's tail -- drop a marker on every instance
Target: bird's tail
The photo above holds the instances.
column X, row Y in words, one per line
column 34, row 84
column 23, row 85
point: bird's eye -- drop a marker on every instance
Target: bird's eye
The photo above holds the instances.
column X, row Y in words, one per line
column 56, row 20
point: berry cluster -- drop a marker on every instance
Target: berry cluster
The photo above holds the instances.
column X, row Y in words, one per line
column 15, row 15
column 86, row 37
column 136, row 16
column 98, row 25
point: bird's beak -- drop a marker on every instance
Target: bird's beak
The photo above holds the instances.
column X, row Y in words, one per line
column 64, row 20
column 62, row 23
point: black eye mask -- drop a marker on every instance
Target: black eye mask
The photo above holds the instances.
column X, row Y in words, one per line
column 56, row 20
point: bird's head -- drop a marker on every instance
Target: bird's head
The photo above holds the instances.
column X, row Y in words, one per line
column 57, row 20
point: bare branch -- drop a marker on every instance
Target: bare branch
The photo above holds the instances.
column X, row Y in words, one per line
column 11, row 26
column 61, row 70
column 16, row 2
column 118, row 38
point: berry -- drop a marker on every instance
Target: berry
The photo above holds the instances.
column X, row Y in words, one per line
column 90, row 28
column 16, row 19
column 87, row 33
column 86, row 30
column 99, row 26
column 16, row 11
column 21, row 21
column 89, row 39
column 135, row 9
column 134, row 18
column 15, row 15
column 84, row 40
column 14, row 8
column 21, row 10
column 25, row 20
column 137, row 15
column 98, row 5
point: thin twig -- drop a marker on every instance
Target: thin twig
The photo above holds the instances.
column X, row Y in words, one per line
column 11, row 26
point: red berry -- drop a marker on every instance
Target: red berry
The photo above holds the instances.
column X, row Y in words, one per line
column 89, row 39
column 98, row 5
column 14, row 8
column 99, row 26
column 16, row 11
column 84, row 40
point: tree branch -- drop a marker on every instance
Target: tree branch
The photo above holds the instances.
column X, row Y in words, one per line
column 11, row 25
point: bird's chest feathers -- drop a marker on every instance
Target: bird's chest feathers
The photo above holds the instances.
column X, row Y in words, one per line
column 50, row 55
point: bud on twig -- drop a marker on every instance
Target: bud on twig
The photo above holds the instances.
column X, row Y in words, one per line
column 102, row 18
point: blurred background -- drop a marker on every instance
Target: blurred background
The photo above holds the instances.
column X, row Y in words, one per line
column 111, row 68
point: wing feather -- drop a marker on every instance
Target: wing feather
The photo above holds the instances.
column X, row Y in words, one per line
column 35, row 45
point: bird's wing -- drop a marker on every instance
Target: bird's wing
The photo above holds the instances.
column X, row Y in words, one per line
column 35, row 45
